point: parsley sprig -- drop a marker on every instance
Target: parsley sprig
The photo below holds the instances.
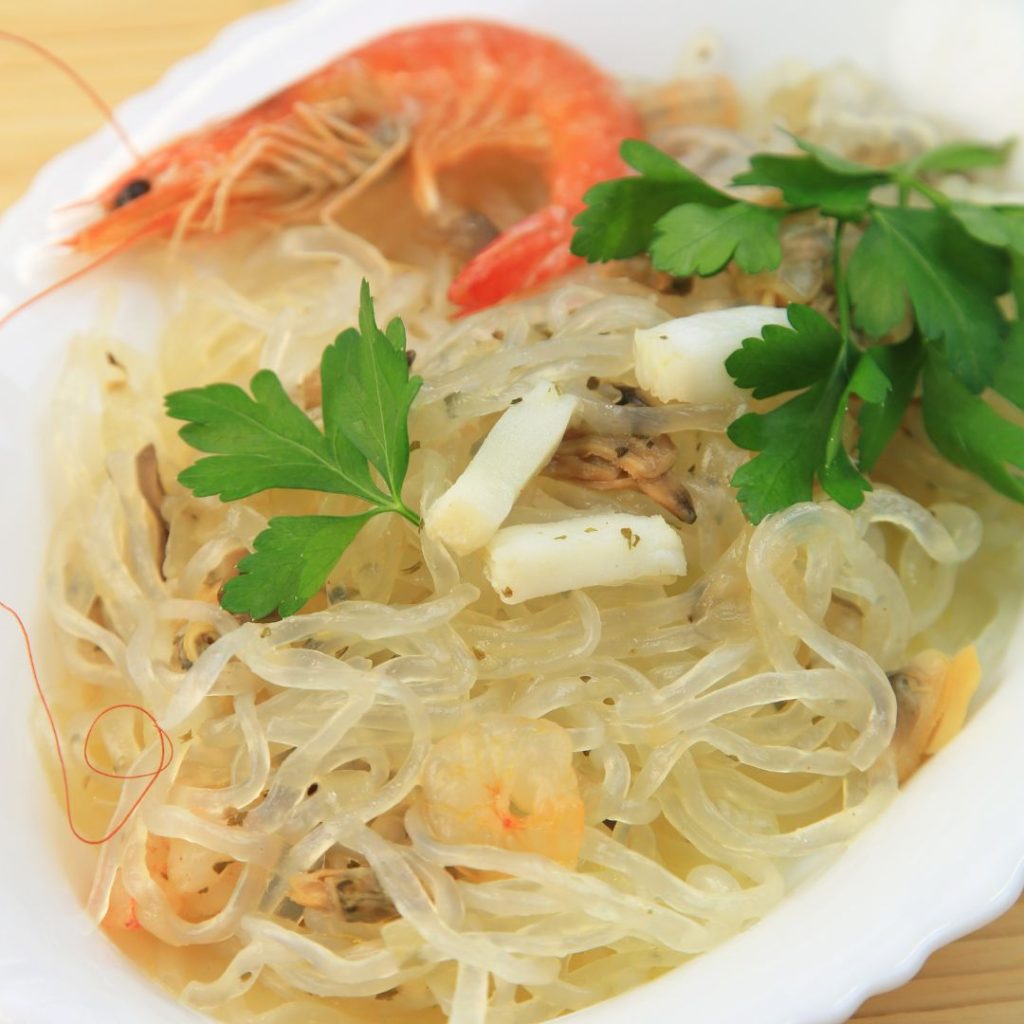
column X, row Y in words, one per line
column 920, row 308
column 264, row 440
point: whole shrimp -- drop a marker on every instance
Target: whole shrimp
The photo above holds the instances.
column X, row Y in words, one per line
column 436, row 93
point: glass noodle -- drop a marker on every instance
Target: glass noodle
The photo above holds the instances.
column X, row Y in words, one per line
column 729, row 730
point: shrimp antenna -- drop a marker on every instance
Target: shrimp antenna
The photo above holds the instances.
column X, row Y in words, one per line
column 166, row 746
column 122, row 134
column 68, row 279
column 98, row 101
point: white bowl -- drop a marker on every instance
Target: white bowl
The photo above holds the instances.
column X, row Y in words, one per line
column 948, row 854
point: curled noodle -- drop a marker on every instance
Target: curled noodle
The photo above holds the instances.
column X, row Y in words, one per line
column 726, row 729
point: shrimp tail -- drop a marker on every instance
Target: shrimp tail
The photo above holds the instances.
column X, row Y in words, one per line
column 534, row 251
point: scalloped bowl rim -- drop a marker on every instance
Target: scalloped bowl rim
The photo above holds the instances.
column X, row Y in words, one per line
column 946, row 857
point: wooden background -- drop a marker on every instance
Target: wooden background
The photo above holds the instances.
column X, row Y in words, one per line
column 122, row 46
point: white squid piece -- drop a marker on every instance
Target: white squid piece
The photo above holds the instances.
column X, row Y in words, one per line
column 683, row 360
column 602, row 550
column 519, row 445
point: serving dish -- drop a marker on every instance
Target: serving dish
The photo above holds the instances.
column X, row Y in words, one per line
column 947, row 856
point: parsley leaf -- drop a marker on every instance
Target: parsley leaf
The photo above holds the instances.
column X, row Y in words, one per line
column 959, row 156
column 696, row 239
column 262, row 442
column 944, row 271
column 878, row 421
column 804, row 181
column 867, row 381
column 833, row 161
column 840, row 478
column 687, row 226
column 266, row 441
column 291, row 559
column 786, row 358
column 368, row 392
column 1009, row 379
column 802, row 439
column 951, row 280
column 621, row 215
column 1017, row 282
column 1001, row 226
column 970, row 433
column 791, row 442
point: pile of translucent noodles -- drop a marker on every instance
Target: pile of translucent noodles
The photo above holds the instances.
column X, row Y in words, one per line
column 724, row 729
column 729, row 732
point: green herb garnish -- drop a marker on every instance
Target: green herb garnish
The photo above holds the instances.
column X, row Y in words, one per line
column 266, row 441
column 921, row 309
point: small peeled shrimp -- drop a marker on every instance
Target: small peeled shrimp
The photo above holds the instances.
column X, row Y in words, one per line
column 932, row 696
column 197, row 883
column 506, row 782
column 439, row 93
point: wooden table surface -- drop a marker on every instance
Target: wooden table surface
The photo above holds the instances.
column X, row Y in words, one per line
column 122, row 46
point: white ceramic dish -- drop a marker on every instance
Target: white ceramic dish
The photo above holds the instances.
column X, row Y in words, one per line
column 949, row 853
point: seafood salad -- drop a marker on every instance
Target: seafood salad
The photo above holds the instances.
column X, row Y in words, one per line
column 561, row 513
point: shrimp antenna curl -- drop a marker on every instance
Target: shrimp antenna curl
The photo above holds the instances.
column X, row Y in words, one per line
column 166, row 747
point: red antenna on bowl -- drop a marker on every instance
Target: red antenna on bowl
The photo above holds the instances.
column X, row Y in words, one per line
column 164, row 762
